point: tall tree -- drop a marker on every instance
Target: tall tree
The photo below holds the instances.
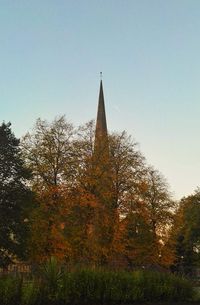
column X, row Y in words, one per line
column 15, row 197
column 160, row 208
column 95, row 179
column 110, row 175
column 186, row 233
column 113, row 203
column 48, row 152
column 158, row 199
column 48, row 224
column 128, row 168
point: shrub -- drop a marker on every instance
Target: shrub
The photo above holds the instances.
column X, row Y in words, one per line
column 106, row 287
column 93, row 287
column 10, row 290
column 50, row 276
column 31, row 293
column 163, row 286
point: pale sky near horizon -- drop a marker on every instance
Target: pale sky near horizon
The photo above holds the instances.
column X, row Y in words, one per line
column 51, row 53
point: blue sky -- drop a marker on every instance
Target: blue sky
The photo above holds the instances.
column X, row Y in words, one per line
column 51, row 53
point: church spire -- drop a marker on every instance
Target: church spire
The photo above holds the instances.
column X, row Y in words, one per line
column 101, row 125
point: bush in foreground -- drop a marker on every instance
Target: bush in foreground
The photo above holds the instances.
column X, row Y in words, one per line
column 94, row 287
column 104, row 287
column 10, row 290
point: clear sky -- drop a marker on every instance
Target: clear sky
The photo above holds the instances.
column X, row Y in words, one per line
column 51, row 53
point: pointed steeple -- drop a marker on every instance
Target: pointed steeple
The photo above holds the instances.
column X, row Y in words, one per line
column 101, row 125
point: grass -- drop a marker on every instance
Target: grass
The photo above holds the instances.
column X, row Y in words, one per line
column 10, row 290
column 85, row 287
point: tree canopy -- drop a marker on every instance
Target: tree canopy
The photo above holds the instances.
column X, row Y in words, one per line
column 186, row 233
column 66, row 193
column 97, row 201
column 15, row 197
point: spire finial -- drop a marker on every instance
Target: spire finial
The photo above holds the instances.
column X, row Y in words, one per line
column 101, row 75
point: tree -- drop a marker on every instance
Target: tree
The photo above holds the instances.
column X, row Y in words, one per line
column 147, row 213
column 158, row 200
column 48, row 222
column 186, row 233
column 15, row 198
column 137, row 238
column 48, row 152
column 95, row 180
column 128, row 168
column 109, row 169
column 160, row 208
column 114, row 204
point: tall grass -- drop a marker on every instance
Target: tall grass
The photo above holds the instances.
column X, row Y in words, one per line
column 31, row 294
column 10, row 290
column 106, row 287
column 55, row 287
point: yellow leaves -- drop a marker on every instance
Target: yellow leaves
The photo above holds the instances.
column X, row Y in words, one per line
column 96, row 200
column 87, row 199
column 48, row 224
column 143, row 186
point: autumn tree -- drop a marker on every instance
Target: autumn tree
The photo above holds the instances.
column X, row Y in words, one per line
column 15, row 198
column 95, row 179
column 137, row 238
column 47, row 152
column 158, row 199
column 114, row 204
column 109, row 176
column 128, row 168
column 48, row 221
column 150, row 212
column 160, row 208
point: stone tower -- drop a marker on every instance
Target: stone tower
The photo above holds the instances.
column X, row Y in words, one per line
column 101, row 125
column 101, row 134
column 105, row 212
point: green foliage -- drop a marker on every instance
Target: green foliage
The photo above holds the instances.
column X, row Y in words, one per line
column 51, row 279
column 107, row 287
column 94, row 287
column 10, row 290
column 31, row 293
column 15, row 197
column 186, row 233
column 161, row 286
column 196, row 294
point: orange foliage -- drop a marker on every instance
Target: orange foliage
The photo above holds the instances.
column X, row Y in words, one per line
column 47, row 226
column 104, row 206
